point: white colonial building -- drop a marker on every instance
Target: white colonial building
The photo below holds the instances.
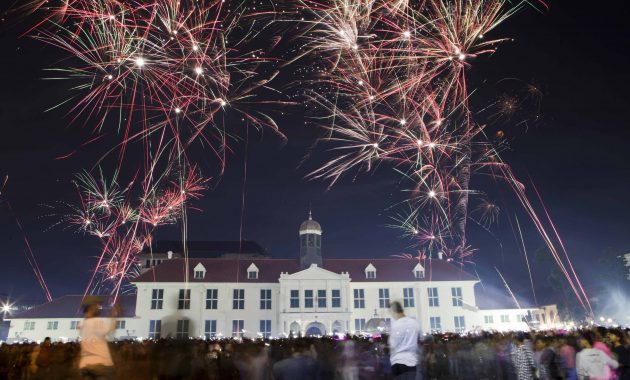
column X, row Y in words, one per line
column 256, row 296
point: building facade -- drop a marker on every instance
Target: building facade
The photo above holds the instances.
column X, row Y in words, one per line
column 250, row 296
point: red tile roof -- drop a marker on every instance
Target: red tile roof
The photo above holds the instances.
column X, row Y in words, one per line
column 235, row 270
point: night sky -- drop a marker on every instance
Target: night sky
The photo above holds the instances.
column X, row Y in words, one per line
column 576, row 154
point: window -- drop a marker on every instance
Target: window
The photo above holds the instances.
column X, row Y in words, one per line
column 370, row 274
column 30, row 325
column 336, row 298
column 238, row 299
column 252, row 272
column 74, row 325
column 436, row 324
column 295, row 299
column 321, row 298
column 488, row 319
column 120, row 325
column 237, row 328
column 53, row 325
column 265, row 328
column 210, row 328
column 308, row 299
column 383, row 298
column 212, row 299
column 184, row 299
column 460, row 324
column 433, row 297
column 408, row 300
column 359, row 324
column 155, row 329
column 265, row 299
column 359, row 298
column 157, row 299
column 457, row 296
column 199, row 271
column 182, row 329
column 505, row 318
column 418, row 271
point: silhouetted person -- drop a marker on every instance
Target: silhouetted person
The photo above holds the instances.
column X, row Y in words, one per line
column 42, row 356
column 299, row 365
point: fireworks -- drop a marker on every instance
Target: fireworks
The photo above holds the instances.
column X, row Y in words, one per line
column 123, row 218
column 172, row 71
column 165, row 75
column 395, row 92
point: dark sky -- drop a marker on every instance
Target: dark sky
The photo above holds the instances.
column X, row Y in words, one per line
column 577, row 155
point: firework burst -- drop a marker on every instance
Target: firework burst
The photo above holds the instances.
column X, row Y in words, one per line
column 123, row 219
column 172, row 71
column 394, row 90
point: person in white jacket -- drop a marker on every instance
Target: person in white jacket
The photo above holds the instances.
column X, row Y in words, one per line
column 95, row 362
column 591, row 363
column 403, row 344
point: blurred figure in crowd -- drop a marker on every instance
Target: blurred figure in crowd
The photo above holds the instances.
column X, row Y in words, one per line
column 403, row 344
column 619, row 342
column 297, row 365
column 41, row 359
column 567, row 356
column 592, row 363
column 523, row 358
column 95, row 362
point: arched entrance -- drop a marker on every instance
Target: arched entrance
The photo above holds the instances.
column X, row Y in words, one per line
column 377, row 325
column 315, row 329
column 294, row 329
column 337, row 327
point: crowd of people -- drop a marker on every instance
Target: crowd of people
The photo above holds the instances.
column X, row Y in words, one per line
column 594, row 354
column 598, row 354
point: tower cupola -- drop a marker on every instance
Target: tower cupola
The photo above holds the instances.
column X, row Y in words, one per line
column 310, row 243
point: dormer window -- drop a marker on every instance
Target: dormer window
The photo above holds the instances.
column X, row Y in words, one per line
column 252, row 272
column 199, row 272
column 370, row 272
column 418, row 271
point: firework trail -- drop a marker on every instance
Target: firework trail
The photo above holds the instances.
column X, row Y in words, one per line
column 30, row 256
column 164, row 76
column 508, row 288
column 180, row 67
column 394, row 90
column 123, row 219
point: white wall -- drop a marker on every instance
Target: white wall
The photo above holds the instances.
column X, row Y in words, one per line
column 198, row 314
column 63, row 332
column 281, row 315
column 514, row 319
